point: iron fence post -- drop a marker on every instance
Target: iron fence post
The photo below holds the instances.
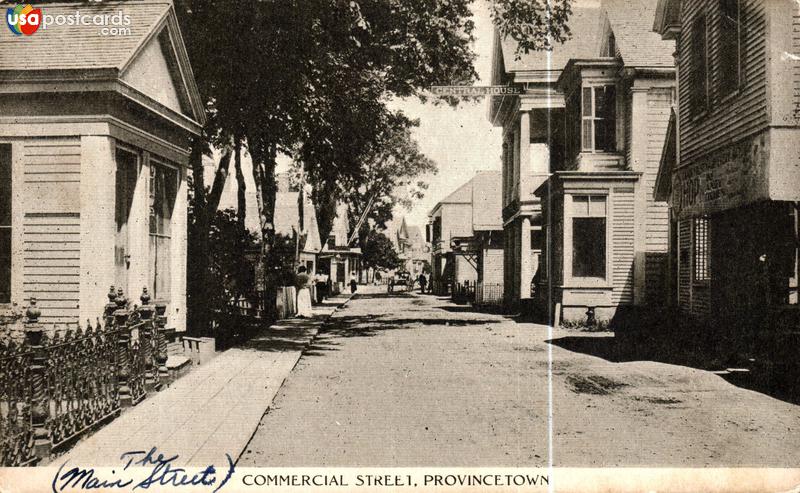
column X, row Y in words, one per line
column 36, row 340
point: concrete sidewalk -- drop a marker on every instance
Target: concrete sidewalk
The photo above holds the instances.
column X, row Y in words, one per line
column 214, row 409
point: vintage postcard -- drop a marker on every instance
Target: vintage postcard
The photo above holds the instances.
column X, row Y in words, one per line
column 400, row 245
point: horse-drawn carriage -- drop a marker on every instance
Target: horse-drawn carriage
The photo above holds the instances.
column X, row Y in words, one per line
column 401, row 281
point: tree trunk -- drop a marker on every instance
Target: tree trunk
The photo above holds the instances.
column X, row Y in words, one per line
column 241, row 187
column 204, row 209
column 264, row 163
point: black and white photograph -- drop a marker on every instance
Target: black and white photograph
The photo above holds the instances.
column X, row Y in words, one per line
column 400, row 245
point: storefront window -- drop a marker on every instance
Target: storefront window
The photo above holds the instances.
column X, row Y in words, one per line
column 5, row 223
column 589, row 236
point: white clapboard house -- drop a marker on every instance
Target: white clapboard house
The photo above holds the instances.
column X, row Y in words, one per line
column 94, row 136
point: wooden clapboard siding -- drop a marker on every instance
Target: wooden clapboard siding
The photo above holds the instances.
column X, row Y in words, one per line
column 796, row 63
column 659, row 103
column 51, row 227
column 51, row 264
column 739, row 116
column 51, row 175
column 622, row 245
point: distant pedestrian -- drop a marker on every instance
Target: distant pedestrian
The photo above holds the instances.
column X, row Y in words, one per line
column 302, row 281
column 353, row 283
column 423, row 281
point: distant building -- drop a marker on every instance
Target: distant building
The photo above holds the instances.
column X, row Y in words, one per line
column 731, row 169
column 295, row 217
column 338, row 259
column 94, row 144
column 465, row 231
column 411, row 247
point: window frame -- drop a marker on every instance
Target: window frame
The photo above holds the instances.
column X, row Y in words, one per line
column 723, row 92
column 611, row 121
column 701, row 249
column 700, row 101
column 603, row 281
column 154, row 161
column 10, row 226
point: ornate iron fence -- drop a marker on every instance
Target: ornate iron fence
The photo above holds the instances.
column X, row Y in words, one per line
column 56, row 385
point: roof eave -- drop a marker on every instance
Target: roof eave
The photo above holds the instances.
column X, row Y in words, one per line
column 575, row 64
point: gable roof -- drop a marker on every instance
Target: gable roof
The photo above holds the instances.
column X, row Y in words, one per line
column 414, row 234
column 584, row 25
column 631, row 21
column 79, row 51
column 484, row 193
column 287, row 213
column 82, row 46
column 292, row 216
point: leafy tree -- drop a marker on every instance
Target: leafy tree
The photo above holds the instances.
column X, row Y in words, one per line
column 313, row 76
column 535, row 25
column 379, row 252
column 231, row 272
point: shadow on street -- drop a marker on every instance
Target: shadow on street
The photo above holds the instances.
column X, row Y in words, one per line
column 777, row 381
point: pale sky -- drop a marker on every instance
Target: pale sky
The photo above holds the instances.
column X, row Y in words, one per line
column 462, row 141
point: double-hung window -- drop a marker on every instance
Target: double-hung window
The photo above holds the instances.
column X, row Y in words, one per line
column 729, row 51
column 599, row 118
column 5, row 223
column 589, row 236
column 163, row 192
column 699, row 55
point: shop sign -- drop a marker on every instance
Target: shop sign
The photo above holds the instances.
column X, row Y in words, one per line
column 722, row 180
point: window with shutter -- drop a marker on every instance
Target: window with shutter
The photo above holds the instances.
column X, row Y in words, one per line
column 699, row 64
column 729, row 52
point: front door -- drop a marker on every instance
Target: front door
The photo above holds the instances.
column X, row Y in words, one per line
column 127, row 171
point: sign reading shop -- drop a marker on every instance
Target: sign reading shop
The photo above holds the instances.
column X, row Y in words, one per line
column 726, row 179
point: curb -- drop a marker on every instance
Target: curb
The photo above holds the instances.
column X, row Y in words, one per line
column 283, row 381
column 324, row 322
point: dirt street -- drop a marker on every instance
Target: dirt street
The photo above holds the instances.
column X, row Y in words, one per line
column 410, row 380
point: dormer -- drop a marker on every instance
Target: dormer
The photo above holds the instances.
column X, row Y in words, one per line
column 593, row 139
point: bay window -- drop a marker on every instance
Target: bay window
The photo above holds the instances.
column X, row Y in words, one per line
column 589, row 236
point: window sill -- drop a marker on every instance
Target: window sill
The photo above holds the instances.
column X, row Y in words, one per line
column 587, row 283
